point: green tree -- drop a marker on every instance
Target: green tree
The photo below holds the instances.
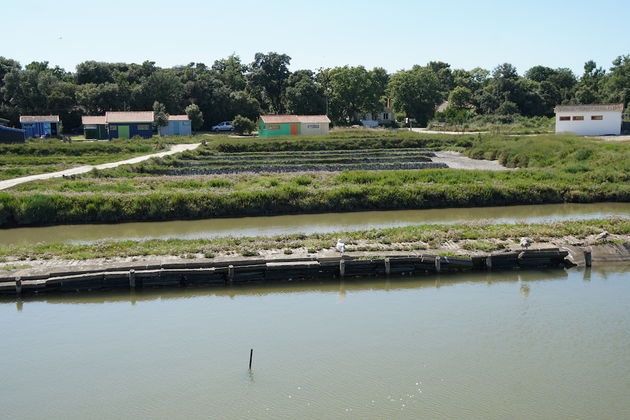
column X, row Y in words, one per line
column 460, row 97
column 303, row 95
column 415, row 92
column 196, row 117
column 160, row 116
column 617, row 85
column 352, row 91
column 99, row 98
column 231, row 72
column 267, row 79
column 243, row 125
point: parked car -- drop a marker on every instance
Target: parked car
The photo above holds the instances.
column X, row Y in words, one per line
column 224, row 126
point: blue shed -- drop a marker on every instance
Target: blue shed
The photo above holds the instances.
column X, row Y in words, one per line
column 11, row 135
column 178, row 125
column 128, row 124
column 41, row 125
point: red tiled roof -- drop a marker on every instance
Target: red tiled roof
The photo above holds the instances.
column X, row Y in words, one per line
column 39, row 118
column 129, row 117
column 280, row 119
column 89, row 120
column 178, row 118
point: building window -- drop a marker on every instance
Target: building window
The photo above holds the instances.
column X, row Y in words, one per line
column 578, row 118
column 313, row 126
column 143, row 127
column 597, row 117
column 565, row 118
column 113, row 128
column 385, row 116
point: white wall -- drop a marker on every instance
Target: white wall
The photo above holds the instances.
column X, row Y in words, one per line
column 314, row 129
column 610, row 124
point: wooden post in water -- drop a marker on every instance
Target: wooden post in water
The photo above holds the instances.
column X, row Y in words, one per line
column 132, row 279
column 251, row 355
column 438, row 263
column 18, row 286
column 388, row 267
column 489, row 262
column 230, row 273
column 588, row 257
column 342, row 268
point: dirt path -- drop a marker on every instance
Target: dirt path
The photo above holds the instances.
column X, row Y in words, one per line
column 87, row 168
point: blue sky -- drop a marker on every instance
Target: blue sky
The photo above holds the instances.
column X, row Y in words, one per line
column 394, row 34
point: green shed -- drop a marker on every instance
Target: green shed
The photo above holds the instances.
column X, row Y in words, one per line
column 292, row 125
column 95, row 127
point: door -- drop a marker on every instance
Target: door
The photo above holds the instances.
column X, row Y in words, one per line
column 294, row 129
column 123, row 131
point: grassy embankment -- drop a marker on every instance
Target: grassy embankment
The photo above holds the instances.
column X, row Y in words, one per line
column 504, row 124
column 471, row 237
column 42, row 156
column 556, row 169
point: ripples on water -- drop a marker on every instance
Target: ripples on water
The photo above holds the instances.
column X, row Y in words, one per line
column 527, row 344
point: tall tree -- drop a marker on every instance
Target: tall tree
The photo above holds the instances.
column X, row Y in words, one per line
column 267, row 79
column 303, row 95
column 416, row 92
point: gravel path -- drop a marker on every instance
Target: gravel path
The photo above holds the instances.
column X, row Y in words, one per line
column 456, row 160
column 87, row 168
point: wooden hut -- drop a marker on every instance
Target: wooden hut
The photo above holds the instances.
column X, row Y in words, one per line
column 11, row 135
column 95, row 127
column 178, row 125
column 292, row 125
column 41, row 125
column 128, row 124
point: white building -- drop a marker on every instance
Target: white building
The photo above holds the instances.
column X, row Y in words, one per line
column 589, row 120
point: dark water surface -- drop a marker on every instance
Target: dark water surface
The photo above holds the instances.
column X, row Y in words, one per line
column 548, row 344
column 308, row 223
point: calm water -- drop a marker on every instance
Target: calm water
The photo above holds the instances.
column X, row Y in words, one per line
column 528, row 345
column 307, row 223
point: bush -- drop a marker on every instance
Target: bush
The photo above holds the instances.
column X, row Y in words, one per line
column 243, row 125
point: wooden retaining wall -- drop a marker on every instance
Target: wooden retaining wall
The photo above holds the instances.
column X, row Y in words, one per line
column 226, row 273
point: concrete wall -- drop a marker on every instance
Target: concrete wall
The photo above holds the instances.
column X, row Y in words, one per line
column 314, row 129
column 609, row 124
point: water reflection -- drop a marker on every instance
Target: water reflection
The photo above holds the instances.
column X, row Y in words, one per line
column 342, row 288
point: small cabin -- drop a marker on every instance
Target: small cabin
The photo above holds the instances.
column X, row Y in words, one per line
column 589, row 120
column 178, row 125
column 128, row 124
column 293, row 125
column 11, row 135
column 41, row 125
column 95, row 127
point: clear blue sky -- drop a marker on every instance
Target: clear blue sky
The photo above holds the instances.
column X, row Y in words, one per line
column 394, row 34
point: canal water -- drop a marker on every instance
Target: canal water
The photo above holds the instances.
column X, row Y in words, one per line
column 548, row 344
column 307, row 223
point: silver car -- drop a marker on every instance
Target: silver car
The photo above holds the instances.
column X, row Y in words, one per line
column 224, row 126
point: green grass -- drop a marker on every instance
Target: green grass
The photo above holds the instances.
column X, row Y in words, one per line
column 42, row 156
column 555, row 169
column 406, row 238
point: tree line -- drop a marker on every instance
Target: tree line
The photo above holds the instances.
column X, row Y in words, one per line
column 230, row 87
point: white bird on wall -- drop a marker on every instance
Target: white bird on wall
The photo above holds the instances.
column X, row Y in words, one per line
column 341, row 247
column 602, row 236
column 526, row 242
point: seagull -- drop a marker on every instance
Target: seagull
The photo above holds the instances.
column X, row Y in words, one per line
column 526, row 242
column 341, row 247
column 602, row 235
